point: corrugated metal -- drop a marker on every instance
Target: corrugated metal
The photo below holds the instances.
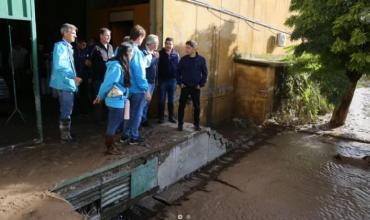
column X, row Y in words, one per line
column 115, row 191
column 16, row 9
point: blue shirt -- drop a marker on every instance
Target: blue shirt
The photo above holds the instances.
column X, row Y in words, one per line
column 139, row 84
column 63, row 70
column 114, row 76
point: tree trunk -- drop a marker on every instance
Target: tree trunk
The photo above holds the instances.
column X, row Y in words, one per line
column 339, row 115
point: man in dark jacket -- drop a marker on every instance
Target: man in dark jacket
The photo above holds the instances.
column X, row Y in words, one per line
column 151, row 59
column 167, row 71
column 100, row 54
column 80, row 57
column 192, row 75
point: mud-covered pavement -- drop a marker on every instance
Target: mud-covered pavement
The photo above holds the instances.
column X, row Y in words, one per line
column 291, row 176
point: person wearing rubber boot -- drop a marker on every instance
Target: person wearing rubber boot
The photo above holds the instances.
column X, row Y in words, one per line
column 192, row 75
column 167, row 71
column 114, row 91
column 64, row 79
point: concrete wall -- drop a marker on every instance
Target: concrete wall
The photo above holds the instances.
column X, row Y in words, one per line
column 185, row 158
column 220, row 36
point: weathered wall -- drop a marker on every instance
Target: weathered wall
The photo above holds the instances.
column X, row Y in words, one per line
column 219, row 37
column 254, row 91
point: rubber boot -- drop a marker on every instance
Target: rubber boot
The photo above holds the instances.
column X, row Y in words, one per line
column 65, row 131
column 111, row 147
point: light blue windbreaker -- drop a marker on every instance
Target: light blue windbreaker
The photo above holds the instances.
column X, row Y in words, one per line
column 139, row 84
column 113, row 76
column 63, row 69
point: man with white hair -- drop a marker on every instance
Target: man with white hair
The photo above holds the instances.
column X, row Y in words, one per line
column 151, row 57
column 64, row 79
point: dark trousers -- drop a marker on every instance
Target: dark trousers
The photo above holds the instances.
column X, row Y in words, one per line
column 194, row 93
column 83, row 101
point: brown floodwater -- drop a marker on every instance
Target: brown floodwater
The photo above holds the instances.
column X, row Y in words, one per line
column 290, row 176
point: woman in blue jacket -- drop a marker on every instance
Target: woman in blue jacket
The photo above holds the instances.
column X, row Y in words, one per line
column 114, row 91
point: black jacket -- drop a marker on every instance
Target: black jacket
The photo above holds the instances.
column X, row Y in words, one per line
column 167, row 65
column 99, row 56
column 192, row 71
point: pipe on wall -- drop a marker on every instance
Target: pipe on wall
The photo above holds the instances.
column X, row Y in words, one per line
column 233, row 14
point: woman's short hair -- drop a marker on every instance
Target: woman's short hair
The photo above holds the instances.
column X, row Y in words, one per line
column 152, row 39
column 66, row 27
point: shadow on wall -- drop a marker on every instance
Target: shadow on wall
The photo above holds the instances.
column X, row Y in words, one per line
column 217, row 45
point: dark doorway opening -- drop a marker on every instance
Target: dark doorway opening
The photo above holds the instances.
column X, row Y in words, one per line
column 119, row 30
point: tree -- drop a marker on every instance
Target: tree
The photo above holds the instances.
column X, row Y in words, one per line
column 338, row 31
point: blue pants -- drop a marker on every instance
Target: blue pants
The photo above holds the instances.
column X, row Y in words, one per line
column 137, row 103
column 166, row 88
column 151, row 87
column 66, row 100
column 115, row 118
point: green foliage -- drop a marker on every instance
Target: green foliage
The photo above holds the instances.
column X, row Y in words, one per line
column 307, row 90
column 337, row 31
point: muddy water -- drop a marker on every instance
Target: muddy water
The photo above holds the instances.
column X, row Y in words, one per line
column 291, row 176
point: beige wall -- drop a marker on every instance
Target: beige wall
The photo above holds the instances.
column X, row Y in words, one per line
column 219, row 37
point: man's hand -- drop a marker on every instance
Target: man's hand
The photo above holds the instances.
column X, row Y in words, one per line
column 148, row 97
column 155, row 54
column 197, row 87
column 97, row 100
column 78, row 81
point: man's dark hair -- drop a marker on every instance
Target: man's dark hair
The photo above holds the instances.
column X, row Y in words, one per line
column 103, row 30
column 191, row 43
column 136, row 32
column 169, row 39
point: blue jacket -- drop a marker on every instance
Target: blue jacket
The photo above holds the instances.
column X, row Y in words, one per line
column 167, row 65
column 114, row 75
column 151, row 70
column 192, row 71
column 63, row 70
column 139, row 84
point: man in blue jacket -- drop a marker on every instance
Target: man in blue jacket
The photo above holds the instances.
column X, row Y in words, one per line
column 139, row 93
column 192, row 75
column 64, row 79
column 167, row 71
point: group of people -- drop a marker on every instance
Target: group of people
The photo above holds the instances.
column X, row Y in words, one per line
column 124, row 80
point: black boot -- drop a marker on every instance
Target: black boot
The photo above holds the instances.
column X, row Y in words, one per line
column 65, row 131
column 171, row 118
